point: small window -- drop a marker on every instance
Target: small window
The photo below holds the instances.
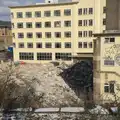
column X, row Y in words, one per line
column 67, row 23
column 85, row 11
column 109, row 87
column 85, row 33
column 79, row 33
column 104, row 21
column 47, row 13
column 21, row 45
column 109, row 62
column 38, row 25
column 29, row 25
column 79, row 44
column 85, row 22
column 57, row 45
column 29, row 35
column 112, row 39
column 90, row 10
column 38, row 45
column 20, row 35
column 68, row 45
column 106, row 87
column 47, row 24
column 90, row 33
column 67, row 12
column 39, row 35
column 48, row 45
column 30, row 45
column 58, row 34
column 104, row 9
column 28, row 14
column 19, row 25
column 85, row 44
column 90, row 45
column 80, row 11
column 67, row 34
column 90, row 22
column 106, row 40
column 38, row 14
column 48, row 34
column 79, row 22
column 57, row 13
column 19, row 15
column 57, row 24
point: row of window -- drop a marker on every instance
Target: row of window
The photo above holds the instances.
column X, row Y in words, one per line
column 45, row 56
column 85, row 45
column 67, row 12
column 109, row 40
column 85, row 22
column 109, row 62
column 56, row 34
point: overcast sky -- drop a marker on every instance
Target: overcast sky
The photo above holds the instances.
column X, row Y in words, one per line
column 4, row 10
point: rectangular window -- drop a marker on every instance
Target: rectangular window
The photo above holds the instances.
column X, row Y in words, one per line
column 67, row 34
column 29, row 35
column 79, row 22
column 85, row 11
column 90, row 10
column 80, row 11
column 58, row 45
column 79, row 44
column 38, row 24
column 26, row 56
column 90, row 22
column 112, row 40
column 85, row 33
column 38, row 14
column 48, row 45
column 63, row 56
column 79, row 33
column 19, row 25
column 57, row 13
column 67, row 44
column 67, row 12
column 106, row 87
column 58, row 34
column 57, row 24
column 38, row 45
column 44, row 56
column 20, row 35
column 67, row 23
column 104, row 21
column 109, row 62
column 47, row 24
column 85, row 22
column 29, row 45
column 19, row 15
column 90, row 45
column 85, row 44
column 29, row 25
column 48, row 34
column 90, row 33
column 39, row 35
column 28, row 14
column 109, row 87
column 21, row 45
column 104, row 9
column 47, row 13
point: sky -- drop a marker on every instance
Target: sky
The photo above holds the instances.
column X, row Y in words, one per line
column 5, row 11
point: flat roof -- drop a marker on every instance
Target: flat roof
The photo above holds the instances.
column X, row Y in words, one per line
column 42, row 5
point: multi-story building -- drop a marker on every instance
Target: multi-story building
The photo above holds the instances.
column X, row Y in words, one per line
column 54, row 30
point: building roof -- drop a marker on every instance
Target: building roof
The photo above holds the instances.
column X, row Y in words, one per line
column 44, row 4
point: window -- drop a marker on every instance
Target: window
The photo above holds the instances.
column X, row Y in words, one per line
column 63, row 56
column 37, row 14
column 79, row 22
column 29, row 35
column 29, row 25
column 109, row 62
column 29, row 45
column 90, row 22
column 20, row 35
column 58, row 45
column 47, row 13
column 67, row 23
column 48, row 45
column 90, row 45
column 85, row 44
column 48, row 34
column 28, row 14
column 68, row 45
column 106, row 40
column 79, row 33
column 47, row 24
column 39, row 35
column 112, row 39
column 38, row 45
column 67, row 34
column 19, row 25
column 26, row 56
column 90, row 10
column 109, row 40
column 80, row 11
column 58, row 34
column 38, row 25
column 85, row 22
column 57, row 24
column 85, row 33
column 19, row 15
column 57, row 13
column 21, row 45
column 67, row 12
column 104, row 9
column 79, row 44
column 85, row 11
column 90, row 33
column 109, row 87
column 104, row 21
column 44, row 56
